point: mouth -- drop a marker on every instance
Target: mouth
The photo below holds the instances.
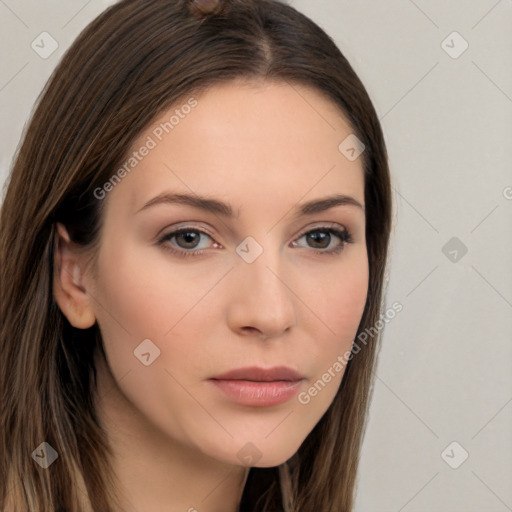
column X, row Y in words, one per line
column 258, row 386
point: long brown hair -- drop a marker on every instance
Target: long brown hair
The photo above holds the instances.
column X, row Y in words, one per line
column 132, row 63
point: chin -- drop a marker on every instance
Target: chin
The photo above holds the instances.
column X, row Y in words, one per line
column 266, row 453
column 270, row 462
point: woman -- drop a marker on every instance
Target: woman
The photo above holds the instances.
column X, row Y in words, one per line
column 136, row 377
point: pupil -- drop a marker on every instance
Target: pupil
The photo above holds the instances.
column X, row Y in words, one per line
column 189, row 237
column 320, row 235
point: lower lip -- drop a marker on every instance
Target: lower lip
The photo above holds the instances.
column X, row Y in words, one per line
column 260, row 394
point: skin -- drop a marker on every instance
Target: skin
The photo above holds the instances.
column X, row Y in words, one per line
column 264, row 148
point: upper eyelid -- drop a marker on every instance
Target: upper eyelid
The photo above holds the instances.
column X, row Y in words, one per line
column 169, row 231
column 316, row 226
column 324, row 225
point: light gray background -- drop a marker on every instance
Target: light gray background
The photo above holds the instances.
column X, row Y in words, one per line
column 444, row 371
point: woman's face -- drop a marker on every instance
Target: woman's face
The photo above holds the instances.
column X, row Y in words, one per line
column 252, row 283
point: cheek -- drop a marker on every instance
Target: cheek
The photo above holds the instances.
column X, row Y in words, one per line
column 338, row 303
column 346, row 301
column 160, row 302
column 146, row 299
column 339, row 298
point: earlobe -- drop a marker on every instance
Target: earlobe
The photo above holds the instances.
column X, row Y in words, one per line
column 68, row 289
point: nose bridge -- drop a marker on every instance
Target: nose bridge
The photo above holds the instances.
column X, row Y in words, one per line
column 263, row 299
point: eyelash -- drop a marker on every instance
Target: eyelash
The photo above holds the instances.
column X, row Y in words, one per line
column 343, row 234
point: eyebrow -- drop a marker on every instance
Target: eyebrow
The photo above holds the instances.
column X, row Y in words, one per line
column 219, row 207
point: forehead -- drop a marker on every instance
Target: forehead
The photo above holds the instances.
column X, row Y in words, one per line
column 244, row 141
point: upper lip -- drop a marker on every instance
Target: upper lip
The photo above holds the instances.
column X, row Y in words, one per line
column 261, row 374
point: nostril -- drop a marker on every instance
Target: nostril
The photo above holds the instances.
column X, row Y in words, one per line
column 250, row 330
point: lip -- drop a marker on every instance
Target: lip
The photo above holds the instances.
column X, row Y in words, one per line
column 257, row 374
column 260, row 387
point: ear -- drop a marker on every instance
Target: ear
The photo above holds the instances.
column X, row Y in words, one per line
column 68, row 291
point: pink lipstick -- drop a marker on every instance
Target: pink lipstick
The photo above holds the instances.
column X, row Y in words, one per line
column 258, row 386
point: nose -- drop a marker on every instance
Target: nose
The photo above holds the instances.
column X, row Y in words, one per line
column 262, row 300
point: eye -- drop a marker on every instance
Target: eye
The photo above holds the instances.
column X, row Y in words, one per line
column 186, row 239
column 323, row 236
